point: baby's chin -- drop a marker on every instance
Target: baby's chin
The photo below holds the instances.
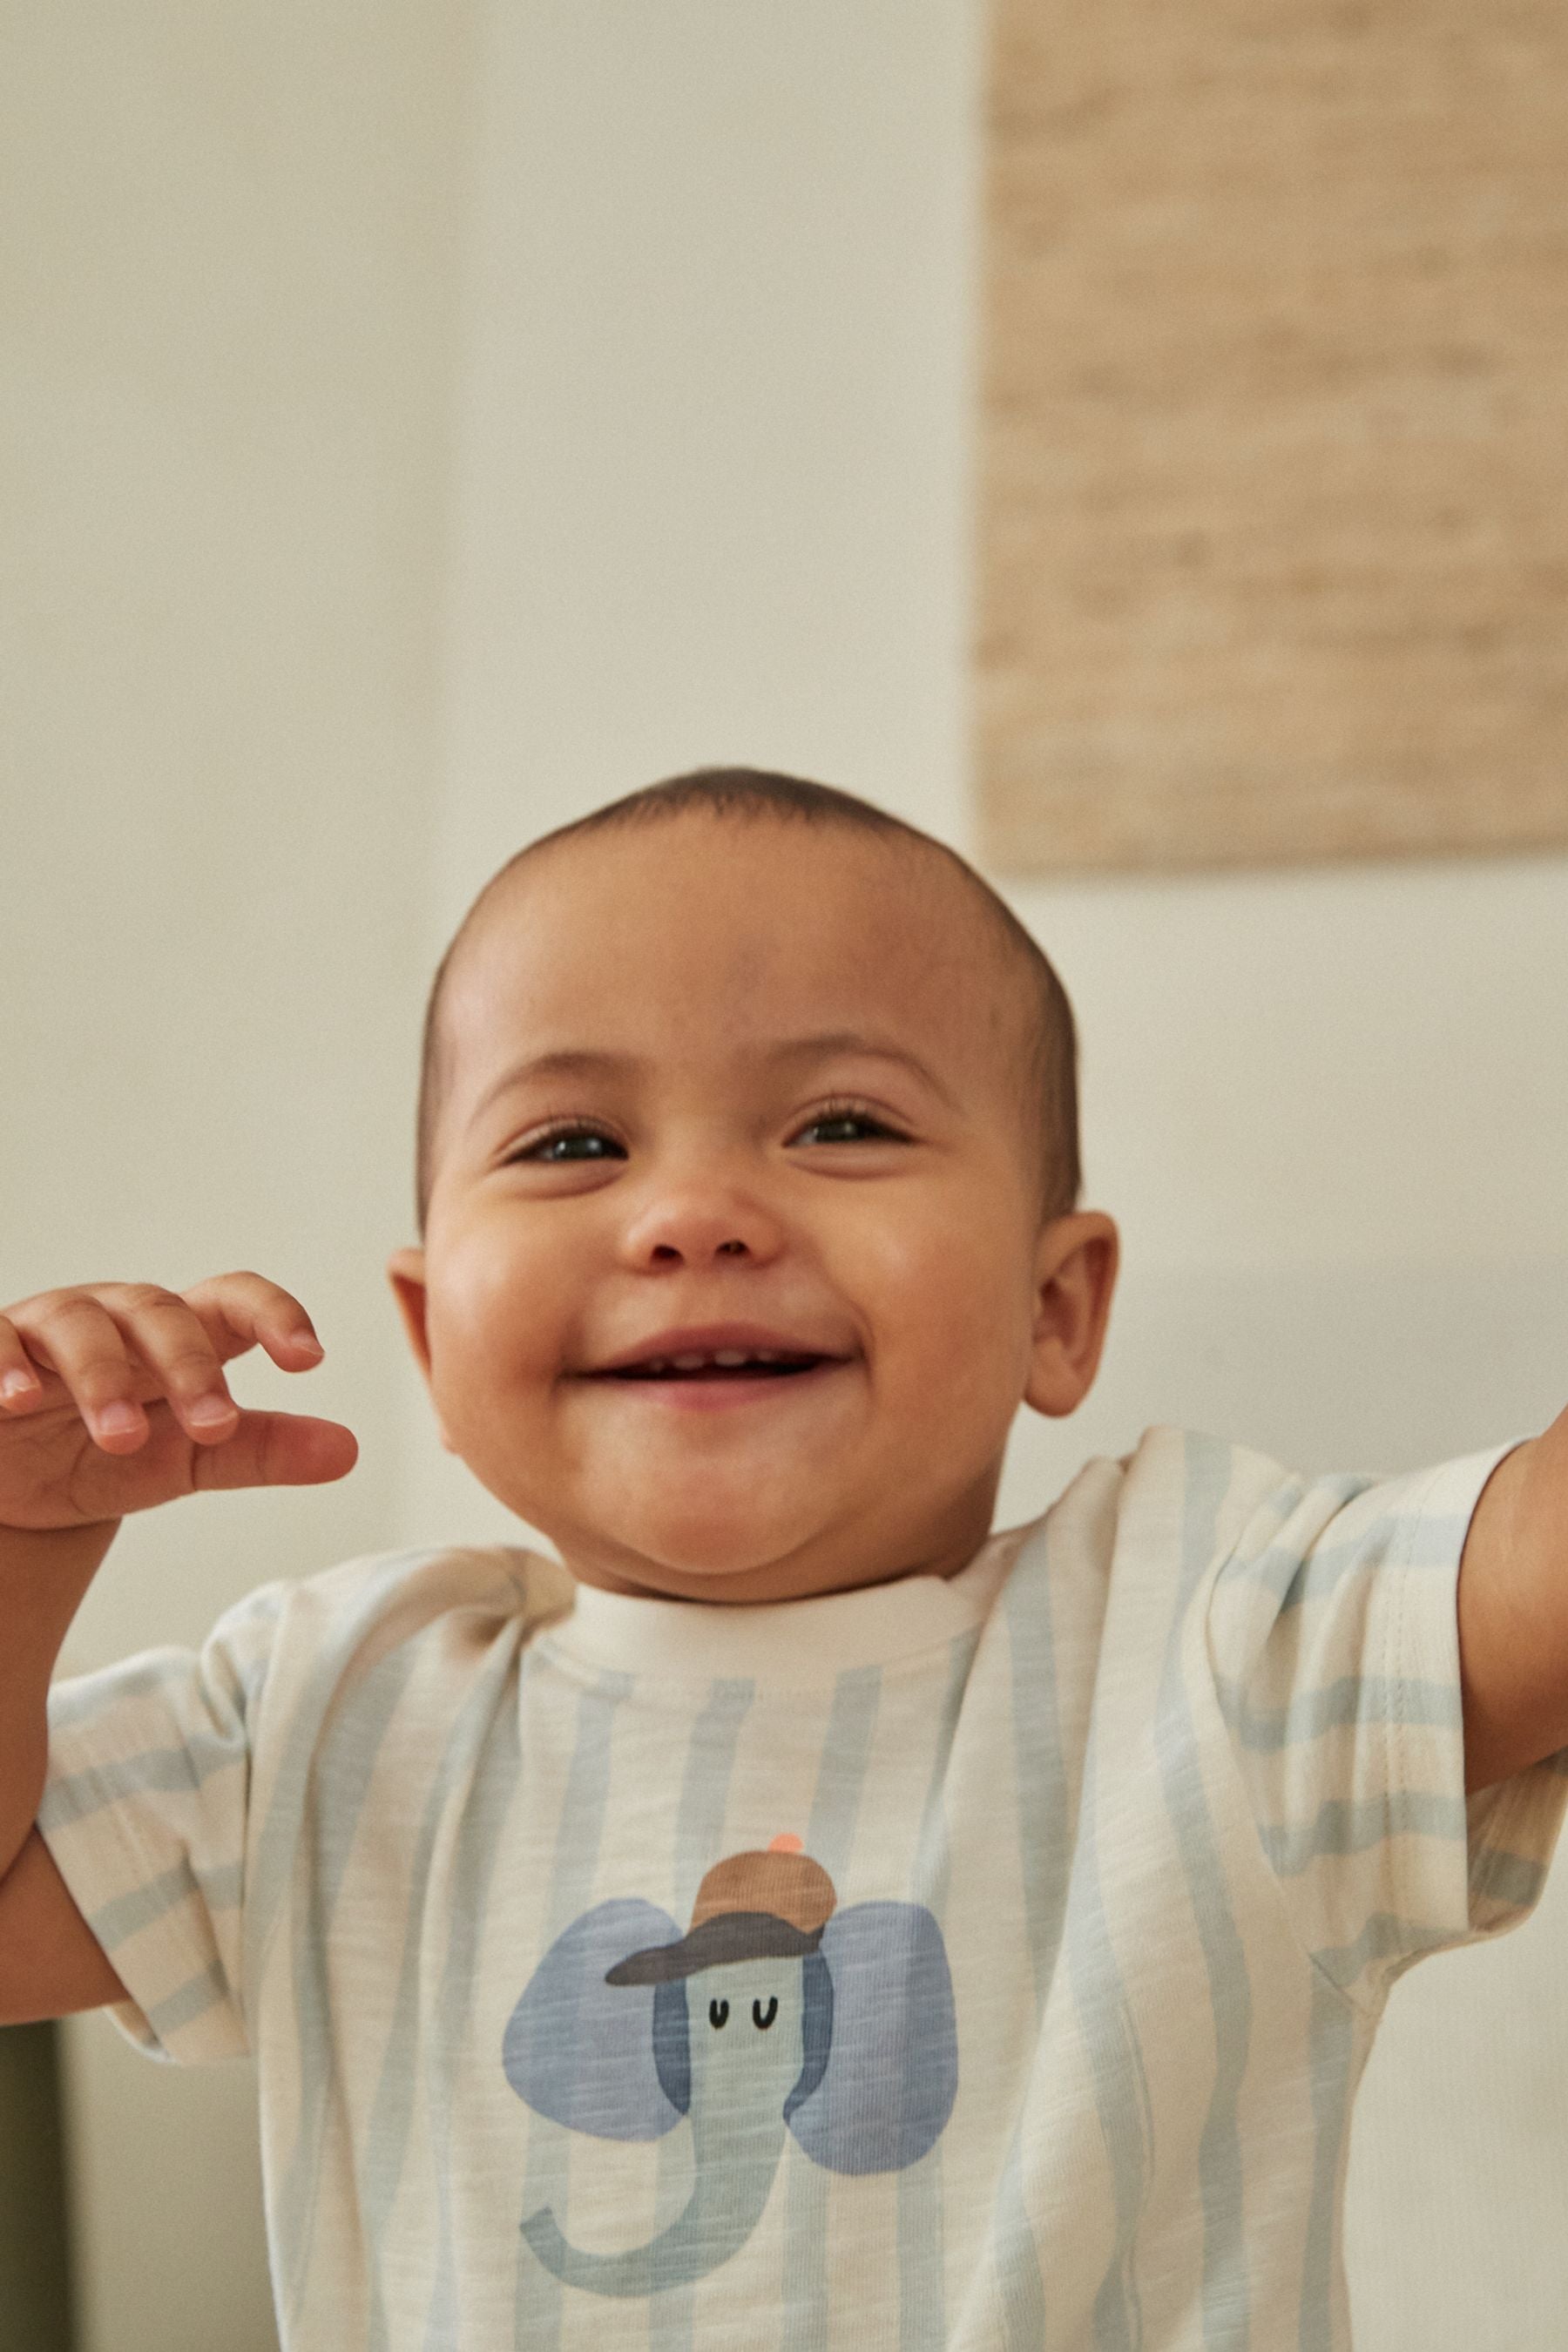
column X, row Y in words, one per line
column 720, row 1562
column 699, row 1537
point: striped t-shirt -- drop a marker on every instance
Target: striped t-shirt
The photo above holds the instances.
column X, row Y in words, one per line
column 979, row 1963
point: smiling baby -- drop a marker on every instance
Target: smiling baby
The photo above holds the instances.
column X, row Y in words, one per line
column 798, row 1915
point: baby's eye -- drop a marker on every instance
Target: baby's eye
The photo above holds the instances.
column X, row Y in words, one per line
column 841, row 1116
column 547, row 1151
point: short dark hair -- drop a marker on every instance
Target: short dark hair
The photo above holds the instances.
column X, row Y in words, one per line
column 1049, row 1075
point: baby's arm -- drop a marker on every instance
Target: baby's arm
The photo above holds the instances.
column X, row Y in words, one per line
column 1513, row 1613
column 113, row 1398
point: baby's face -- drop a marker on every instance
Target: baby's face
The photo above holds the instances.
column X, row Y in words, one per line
column 728, row 1086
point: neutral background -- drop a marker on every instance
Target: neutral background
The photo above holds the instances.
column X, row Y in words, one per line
column 422, row 425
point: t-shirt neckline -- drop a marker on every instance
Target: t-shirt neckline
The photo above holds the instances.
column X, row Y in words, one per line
column 788, row 1640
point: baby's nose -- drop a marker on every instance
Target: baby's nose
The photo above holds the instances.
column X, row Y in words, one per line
column 689, row 1230
column 734, row 1248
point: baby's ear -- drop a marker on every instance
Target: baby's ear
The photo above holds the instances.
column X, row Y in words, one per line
column 405, row 1272
column 1075, row 1274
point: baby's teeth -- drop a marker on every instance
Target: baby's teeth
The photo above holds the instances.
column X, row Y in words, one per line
column 689, row 1363
column 730, row 1356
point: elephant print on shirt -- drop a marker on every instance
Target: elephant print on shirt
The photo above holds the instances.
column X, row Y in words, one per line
column 774, row 2013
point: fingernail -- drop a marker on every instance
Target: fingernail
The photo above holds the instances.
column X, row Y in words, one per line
column 118, row 1420
column 208, row 1411
column 17, row 1384
column 308, row 1342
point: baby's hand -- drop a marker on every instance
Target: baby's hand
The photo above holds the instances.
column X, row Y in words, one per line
column 113, row 1398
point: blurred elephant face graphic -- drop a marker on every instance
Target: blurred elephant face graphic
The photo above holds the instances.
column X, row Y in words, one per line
column 744, row 2028
column 849, row 2046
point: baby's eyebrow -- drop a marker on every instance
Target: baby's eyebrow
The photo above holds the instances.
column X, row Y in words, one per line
column 582, row 1062
column 856, row 1041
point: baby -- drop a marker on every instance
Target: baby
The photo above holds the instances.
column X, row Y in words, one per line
column 806, row 1918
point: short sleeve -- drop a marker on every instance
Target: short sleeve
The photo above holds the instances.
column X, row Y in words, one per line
column 144, row 1812
column 1333, row 1635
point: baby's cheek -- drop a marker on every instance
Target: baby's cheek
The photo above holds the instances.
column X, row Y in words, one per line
column 966, row 1300
column 501, row 1304
column 973, row 1357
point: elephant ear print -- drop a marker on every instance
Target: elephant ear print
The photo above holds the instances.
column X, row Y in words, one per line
column 888, row 2086
column 587, row 2054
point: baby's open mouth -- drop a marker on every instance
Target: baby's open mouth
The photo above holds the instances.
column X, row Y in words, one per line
column 723, row 1364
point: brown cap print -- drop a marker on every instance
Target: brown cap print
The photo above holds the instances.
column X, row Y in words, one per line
column 758, row 1906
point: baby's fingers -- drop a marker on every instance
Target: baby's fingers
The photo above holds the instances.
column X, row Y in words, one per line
column 20, row 1383
column 278, row 1449
column 73, row 1339
column 115, row 1346
column 245, row 1310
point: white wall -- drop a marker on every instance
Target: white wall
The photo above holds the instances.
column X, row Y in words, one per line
column 222, row 467
column 712, row 376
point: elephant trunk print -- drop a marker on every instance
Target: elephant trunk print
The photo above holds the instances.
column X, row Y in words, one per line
column 746, row 2055
column 774, row 2015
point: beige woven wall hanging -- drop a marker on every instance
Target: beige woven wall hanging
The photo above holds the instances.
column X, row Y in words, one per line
column 1274, row 472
